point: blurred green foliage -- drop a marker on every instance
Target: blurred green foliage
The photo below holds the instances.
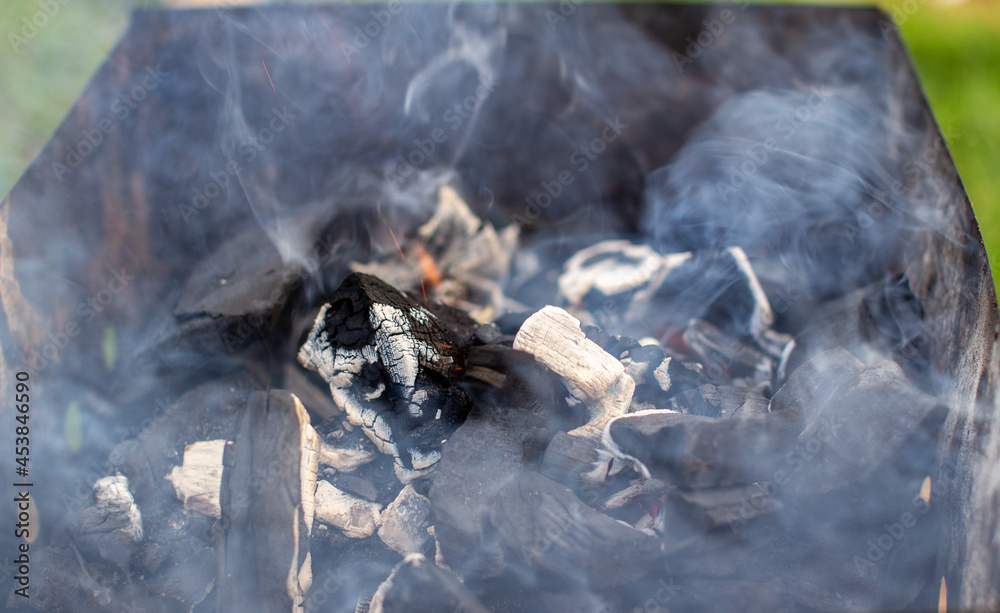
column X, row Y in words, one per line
column 955, row 46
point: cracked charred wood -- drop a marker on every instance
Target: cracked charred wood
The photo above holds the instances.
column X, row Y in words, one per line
column 391, row 364
column 507, row 430
column 418, row 584
column 719, row 401
column 113, row 526
column 810, row 449
column 553, row 531
column 198, row 480
column 405, row 521
column 268, row 504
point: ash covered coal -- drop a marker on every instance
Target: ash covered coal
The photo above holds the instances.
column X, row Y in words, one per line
column 524, row 311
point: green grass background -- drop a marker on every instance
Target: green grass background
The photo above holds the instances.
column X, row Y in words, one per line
column 955, row 46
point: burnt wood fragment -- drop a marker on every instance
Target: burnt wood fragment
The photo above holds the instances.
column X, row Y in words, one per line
column 506, row 432
column 813, row 449
column 391, row 364
column 418, row 584
column 245, row 275
column 727, row 357
column 113, row 526
column 267, row 503
column 719, row 401
column 553, row 531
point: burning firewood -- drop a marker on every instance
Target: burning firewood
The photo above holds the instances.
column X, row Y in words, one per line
column 267, row 507
column 390, row 363
column 455, row 258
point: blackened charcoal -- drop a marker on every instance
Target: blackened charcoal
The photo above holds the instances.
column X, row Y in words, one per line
column 673, row 377
column 812, row 449
column 814, row 383
column 664, row 292
column 719, row 401
column 391, row 364
column 694, row 451
column 712, row 508
column 244, row 275
column 725, row 356
column 418, row 585
column 507, row 432
column 510, row 323
column 549, row 528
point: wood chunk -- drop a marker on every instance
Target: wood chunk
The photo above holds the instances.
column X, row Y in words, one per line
column 552, row 530
column 727, row 357
column 666, row 291
column 554, row 337
column 417, row 584
column 114, row 524
column 719, row 401
column 245, row 274
column 713, row 508
column 405, row 521
column 461, row 260
column 344, row 459
column 693, row 451
column 390, row 363
column 568, row 456
column 198, row 480
column 357, row 517
column 862, row 425
column 592, row 375
column 814, row 383
column 673, row 377
column 814, row 449
column 505, row 434
column 267, row 503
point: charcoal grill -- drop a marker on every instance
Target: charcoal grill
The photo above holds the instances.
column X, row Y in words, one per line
column 301, row 136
